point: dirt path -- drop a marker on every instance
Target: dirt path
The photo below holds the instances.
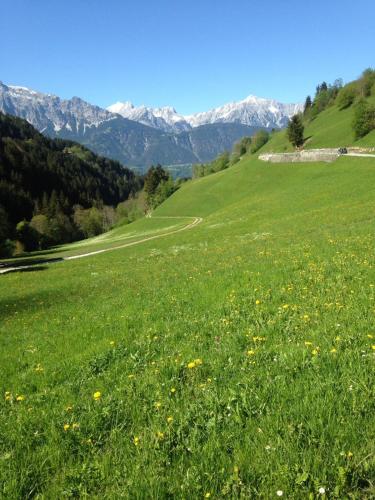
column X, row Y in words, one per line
column 195, row 222
column 361, row 155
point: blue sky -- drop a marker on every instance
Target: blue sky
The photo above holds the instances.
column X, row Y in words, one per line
column 192, row 54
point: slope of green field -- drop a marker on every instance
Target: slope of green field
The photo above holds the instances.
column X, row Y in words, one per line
column 116, row 238
column 330, row 129
column 232, row 360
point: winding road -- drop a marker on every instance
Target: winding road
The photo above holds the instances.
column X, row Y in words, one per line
column 4, row 268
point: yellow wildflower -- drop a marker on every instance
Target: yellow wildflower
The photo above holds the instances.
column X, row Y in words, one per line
column 8, row 396
column 257, row 302
column 169, row 420
column 307, row 343
column 160, row 435
column 131, row 375
column 370, row 336
column 75, row 426
column 21, row 397
column 250, row 352
column 39, row 368
column 333, row 350
column 350, row 454
column 66, row 427
column 314, row 352
column 157, row 405
column 173, row 390
column 97, row 395
column 207, row 495
column 195, row 363
column 69, row 408
column 373, row 347
column 112, row 343
column 136, row 440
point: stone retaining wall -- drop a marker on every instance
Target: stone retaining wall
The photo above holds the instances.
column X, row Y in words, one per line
column 327, row 155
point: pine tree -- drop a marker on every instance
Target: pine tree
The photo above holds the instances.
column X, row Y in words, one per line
column 53, row 205
column 295, row 131
column 308, row 104
column 153, row 178
column 44, row 208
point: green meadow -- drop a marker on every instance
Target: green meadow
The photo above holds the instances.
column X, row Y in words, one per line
column 234, row 359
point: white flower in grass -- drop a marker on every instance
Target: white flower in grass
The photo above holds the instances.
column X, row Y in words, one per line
column 322, row 490
column 279, row 493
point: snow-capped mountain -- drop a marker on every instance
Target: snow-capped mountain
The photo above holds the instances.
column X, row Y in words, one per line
column 48, row 113
column 252, row 111
column 141, row 136
column 165, row 118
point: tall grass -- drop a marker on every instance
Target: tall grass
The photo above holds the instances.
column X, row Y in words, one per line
column 234, row 360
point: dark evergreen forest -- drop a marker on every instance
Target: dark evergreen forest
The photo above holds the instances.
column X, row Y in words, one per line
column 49, row 180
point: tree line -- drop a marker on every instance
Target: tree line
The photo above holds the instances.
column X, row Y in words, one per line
column 54, row 191
column 352, row 94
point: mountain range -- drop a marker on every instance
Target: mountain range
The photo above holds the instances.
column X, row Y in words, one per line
column 252, row 111
column 141, row 136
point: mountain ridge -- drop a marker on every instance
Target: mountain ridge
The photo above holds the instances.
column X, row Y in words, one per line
column 166, row 139
column 252, row 111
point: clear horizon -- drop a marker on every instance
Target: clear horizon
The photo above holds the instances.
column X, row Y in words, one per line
column 192, row 57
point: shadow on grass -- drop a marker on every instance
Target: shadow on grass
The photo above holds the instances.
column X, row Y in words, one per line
column 27, row 262
column 307, row 139
column 40, row 252
column 29, row 257
column 28, row 301
column 30, row 269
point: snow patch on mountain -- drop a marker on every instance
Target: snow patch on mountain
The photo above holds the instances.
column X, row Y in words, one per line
column 253, row 111
column 165, row 118
column 121, row 108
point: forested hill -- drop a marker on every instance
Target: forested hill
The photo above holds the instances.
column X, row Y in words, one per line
column 41, row 174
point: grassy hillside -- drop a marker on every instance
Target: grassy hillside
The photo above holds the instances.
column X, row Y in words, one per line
column 331, row 128
column 118, row 237
column 233, row 360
